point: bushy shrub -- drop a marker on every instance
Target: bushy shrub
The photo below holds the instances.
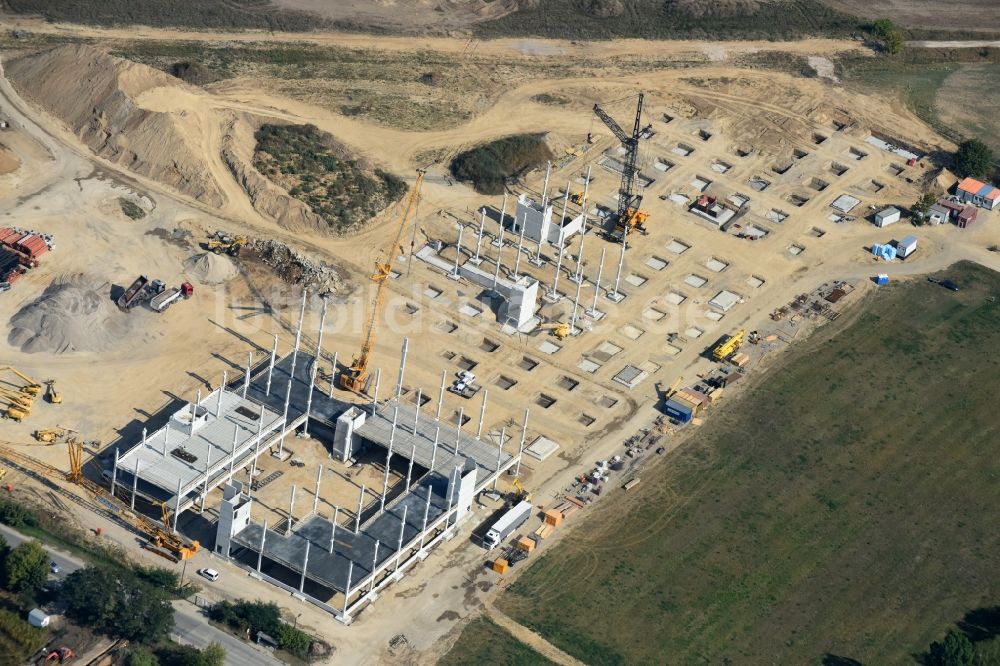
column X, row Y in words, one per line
column 491, row 165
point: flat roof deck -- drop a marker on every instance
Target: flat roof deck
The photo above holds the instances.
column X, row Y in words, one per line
column 331, row 569
column 324, row 408
column 377, row 429
column 211, row 447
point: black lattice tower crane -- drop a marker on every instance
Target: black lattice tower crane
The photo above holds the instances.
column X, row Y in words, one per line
column 629, row 216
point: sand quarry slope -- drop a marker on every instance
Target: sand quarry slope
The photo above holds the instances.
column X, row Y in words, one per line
column 73, row 314
column 115, row 107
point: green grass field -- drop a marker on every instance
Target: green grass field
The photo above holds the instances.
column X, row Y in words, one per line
column 483, row 641
column 845, row 505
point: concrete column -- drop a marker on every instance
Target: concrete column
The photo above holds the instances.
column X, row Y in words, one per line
column 333, row 373
column 479, row 238
column 222, row 387
column 298, row 334
column 503, row 218
column 458, row 254
column 135, row 482
column 284, row 419
column 305, row 565
column 503, row 433
column 458, row 429
column 520, row 450
column 232, row 454
column 562, row 247
column 143, row 446
column 114, row 473
column 427, row 508
column 309, row 398
column 260, row 438
column 333, row 527
column 319, row 337
column 194, row 412
column 409, row 469
column 166, row 437
column 402, row 367
column 399, row 544
column 177, row 506
column 378, row 381
column 263, row 538
column 451, row 496
column 444, row 376
column 204, row 487
column 545, row 186
column 246, row 376
column 270, row 366
column 388, row 456
column 434, row 450
column 583, row 229
column 291, row 508
column 416, row 414
column 319, row 479
column 374, row 565
column 361, row 506
column 482, row 415
column 347, row 588
column 576, row 307
column 614, row 295
column 592, row 312
column 496, row 270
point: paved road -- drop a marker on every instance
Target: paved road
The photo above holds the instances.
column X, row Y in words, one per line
column 191, row 626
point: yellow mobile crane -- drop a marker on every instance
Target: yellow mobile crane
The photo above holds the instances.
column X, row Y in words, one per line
column 31, row 387
column 54, row 396
column 728, row 347
column 355, row 378
column 18, row 404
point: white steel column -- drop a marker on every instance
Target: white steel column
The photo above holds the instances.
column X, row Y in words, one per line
column 298, row 335
column 284, row 420
column 263, row 538
column 614, row 295
column 177, row 505
column 194, row 412
column 503, row 433
column 204, row 487
column 520, row 450
column 232, row 453
column 458, row 429
column 576, row 307
column 135, row 482
column 270, row 366
column 583, row 229
column 305, row 565
column 482, row 415
column 246, row 376
column 416, row 413
column 562, row 248
column 545, row 186
column 114, row 473
column 378, row 381
column 361, row 506
column 402, row 367
column 319, row 479
column 409, row 468
column 333, row 373
column 503, row 218
column 256, row 448
column 434, row 450
column 399, row 544
column 222, row 388
column 458, row 254
column 479, row 238
column 444, row 375
column 374, row 566
column 593, row 312
column 347, row 588
column 291, row 509
column 388, row 456
column 520, row 244
column 427, row 508
column 333, row 527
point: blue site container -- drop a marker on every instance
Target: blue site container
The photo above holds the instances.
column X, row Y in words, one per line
column 677, row 410
column 881, row 279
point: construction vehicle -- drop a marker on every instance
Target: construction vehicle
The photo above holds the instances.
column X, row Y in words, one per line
column 162, row 540
column 53, row 395
column 728, row 347
column 168, row 297
column 577, row 198
column 19, row 404
column 629, row 216
column 52, row 435
column 31, row 387
column 520, row 494
column 559, row 329
column 60, row 654
column 221, row 242
column 134, row 292
column 505, row 525
column 673, row 388
column 356, row 377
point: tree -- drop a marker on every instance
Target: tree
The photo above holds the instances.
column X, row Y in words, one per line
column 26, row 567
column 924, row 203
column 891, row 36
column 173, row 654
column 955, row 650
column 882, row 27
column 118, row 603
column 974, row 158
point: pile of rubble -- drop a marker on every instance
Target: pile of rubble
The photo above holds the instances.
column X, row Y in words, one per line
column 295, row 268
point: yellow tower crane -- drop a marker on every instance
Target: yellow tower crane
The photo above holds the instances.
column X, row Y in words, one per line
column 355, row 378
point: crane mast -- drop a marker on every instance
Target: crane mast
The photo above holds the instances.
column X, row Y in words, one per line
column 356, row 377
column 628, row 217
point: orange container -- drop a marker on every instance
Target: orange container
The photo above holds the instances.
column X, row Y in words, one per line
column 527, row 544
column 500, row 565
column 552, row 517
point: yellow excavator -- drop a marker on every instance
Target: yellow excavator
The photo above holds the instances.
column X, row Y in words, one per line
column 355, row 378
column 559, row 329
column 521, row 494
column 53, row 395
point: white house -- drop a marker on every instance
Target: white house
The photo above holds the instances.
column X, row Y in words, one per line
column 887, row 216
column 938, row 215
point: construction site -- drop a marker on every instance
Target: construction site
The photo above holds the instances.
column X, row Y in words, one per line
column 340, row 420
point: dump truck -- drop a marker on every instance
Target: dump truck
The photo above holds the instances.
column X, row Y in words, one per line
column 168, row 297
column 134, row 292
column 505, row 525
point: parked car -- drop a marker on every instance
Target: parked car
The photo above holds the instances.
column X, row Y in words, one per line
column 210, row 574
column 948, row 284
column 54, row 567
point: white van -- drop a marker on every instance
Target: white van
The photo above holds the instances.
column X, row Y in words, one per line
column 210, row 574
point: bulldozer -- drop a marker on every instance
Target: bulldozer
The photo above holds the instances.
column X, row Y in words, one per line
column 53, row 395
column 231, row 245
column 559, row 329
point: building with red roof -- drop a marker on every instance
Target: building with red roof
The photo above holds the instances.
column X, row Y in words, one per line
column 977, row 193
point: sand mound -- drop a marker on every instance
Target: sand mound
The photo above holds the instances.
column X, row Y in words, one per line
column 73, row 314
column 8, row 160
column 209, row 268
column 111, row 105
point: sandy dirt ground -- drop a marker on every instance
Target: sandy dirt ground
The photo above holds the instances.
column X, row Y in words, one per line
column 63, row 189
